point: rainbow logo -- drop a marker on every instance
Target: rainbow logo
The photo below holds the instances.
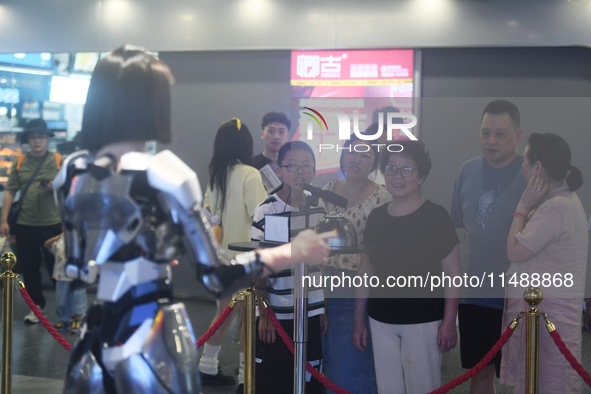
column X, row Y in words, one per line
column 317, row 116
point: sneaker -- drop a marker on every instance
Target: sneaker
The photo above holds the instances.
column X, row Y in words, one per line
column 240, row 379
column 61, row 326
column 30, row 317
column 217, row 380
column 75, row 326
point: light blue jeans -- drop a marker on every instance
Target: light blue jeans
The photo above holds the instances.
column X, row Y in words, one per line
column 68, row 301
column 345, row 365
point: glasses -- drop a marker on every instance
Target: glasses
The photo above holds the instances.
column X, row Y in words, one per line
column 306, row 168
column 404, row 171
column 361, row 155
column 37, row 136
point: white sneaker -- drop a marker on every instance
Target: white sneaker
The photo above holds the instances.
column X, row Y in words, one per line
column 240, row 377
column 30, row 318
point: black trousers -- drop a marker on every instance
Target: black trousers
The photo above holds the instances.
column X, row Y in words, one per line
column 30, row 254
column 274, row 365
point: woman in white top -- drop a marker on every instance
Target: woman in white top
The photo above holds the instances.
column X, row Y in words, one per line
column 234, row 190
column 346, row 365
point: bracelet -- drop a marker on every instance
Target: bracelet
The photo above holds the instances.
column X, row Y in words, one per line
column 262, row 263
column 523, row 215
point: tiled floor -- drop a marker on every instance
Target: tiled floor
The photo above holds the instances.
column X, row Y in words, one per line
column 39, row 362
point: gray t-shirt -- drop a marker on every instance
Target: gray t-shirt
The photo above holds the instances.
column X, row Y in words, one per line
column 483, row 201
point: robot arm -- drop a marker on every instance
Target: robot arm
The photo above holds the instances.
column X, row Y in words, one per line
column 182, row 198
column 218, row 274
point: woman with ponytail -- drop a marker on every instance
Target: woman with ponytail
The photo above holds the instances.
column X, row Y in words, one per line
column 233, row 192
column 547, row 248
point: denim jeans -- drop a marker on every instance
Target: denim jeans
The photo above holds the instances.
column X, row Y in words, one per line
column 68, row 301
column 345, row 365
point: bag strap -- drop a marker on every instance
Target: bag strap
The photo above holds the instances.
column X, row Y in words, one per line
column 218, row 210
column 24, row 190
column 58, row 160
column 19, row 162
column 56, row 155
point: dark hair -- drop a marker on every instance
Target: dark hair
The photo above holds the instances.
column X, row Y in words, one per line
column 375, row 115
column 232, row 145
column 371, row 130
column 294, row 145
column 500, row 107
column 414, row 150
column 553, row 152
column 128, row 99
column 278, row 117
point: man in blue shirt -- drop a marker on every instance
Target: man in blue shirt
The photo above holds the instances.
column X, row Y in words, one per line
column 486, row 191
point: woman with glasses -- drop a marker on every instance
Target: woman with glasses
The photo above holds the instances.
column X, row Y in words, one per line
column 408, row 240
column 233, row 192
column 346, row 365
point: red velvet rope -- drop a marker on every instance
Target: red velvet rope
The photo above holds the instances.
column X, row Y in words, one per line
column 58, row 337
column 570, row 358
column 289, row 343
column 215, row 326
column 478, row 367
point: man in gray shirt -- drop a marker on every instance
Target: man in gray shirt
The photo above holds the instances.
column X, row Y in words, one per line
column 486, row 191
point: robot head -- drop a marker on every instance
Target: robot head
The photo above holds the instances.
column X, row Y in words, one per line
column 128, row 100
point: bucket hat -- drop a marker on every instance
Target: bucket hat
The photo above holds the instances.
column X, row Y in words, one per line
column 35, row 126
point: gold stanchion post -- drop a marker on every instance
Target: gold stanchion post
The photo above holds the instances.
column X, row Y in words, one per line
column 249, row 334
column 533, row 296
column 249, row 298
column 8, row 261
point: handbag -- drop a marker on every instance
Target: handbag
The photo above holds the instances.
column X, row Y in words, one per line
column 15, row 207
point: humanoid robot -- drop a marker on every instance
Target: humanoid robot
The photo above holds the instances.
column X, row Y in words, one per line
column 126, row 217
column 132, row 222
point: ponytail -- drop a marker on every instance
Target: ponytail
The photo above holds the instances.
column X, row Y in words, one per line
column 574, row 179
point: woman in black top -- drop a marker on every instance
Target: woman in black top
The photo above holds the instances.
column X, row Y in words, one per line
column 411, row 240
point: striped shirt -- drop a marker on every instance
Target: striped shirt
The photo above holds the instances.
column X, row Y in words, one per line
column 280, row 285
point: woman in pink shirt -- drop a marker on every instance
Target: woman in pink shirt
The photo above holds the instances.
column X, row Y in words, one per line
column 547, row 247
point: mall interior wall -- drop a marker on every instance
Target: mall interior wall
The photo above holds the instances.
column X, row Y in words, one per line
column 203, row 25
column 551, row 86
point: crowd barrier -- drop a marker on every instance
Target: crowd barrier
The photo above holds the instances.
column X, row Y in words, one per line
column 251, row 298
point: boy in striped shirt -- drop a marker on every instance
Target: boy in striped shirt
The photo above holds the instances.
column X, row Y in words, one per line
column 296, row 166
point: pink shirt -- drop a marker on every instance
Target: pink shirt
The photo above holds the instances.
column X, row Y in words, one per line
column 557, row 233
